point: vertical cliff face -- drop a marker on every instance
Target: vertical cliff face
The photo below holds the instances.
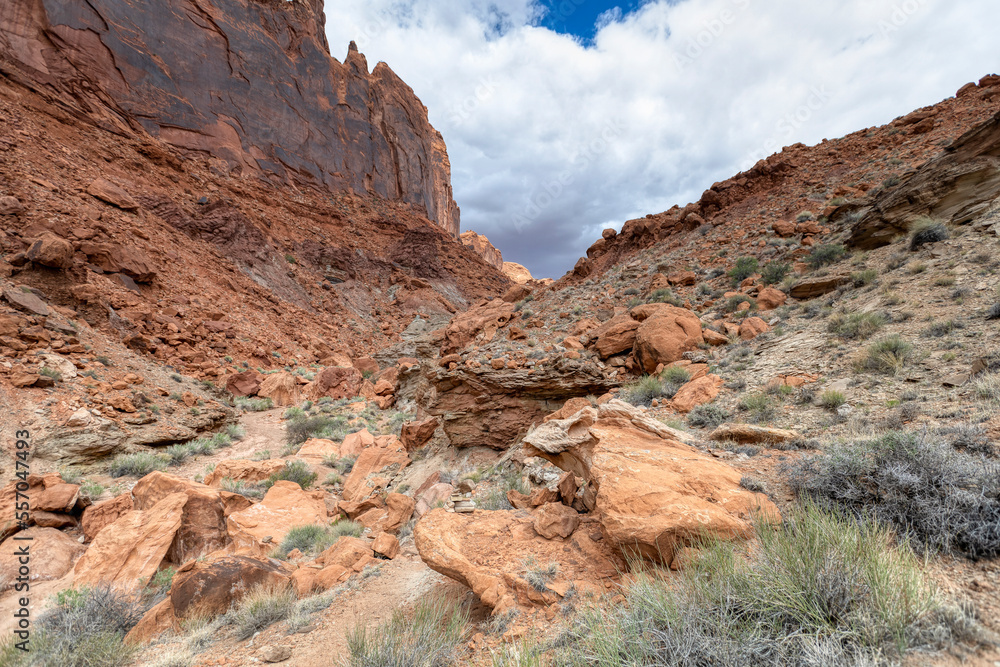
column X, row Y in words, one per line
column 248, row 81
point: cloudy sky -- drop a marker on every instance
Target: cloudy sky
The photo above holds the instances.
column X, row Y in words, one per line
column 564, row 117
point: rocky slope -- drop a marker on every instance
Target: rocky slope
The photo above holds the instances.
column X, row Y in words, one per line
column 250, row 82
column 249, row 394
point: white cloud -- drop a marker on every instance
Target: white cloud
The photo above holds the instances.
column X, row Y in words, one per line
column 552, row 140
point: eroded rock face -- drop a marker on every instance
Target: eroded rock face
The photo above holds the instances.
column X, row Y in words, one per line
column 252, row 83
column 655, row 494
column 203, row 523
column 482, row 246
column 482, row 406
column 957, row 187
column 132, row 548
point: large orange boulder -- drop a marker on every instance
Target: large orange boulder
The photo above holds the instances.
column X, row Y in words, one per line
column 336, row 382
column 770, row 298
column 282, row 388
column 203, row 523
column 207, row 589
column 96, row 517
column 246, row 383
column 696, row 392
column 416, row 434
column 132, row 548
column 314, row 450
column 553, row 520
column 665, row 334
column 37, row 484
column 479, row 324
column 375, row 468
column 244, row 470
column 486, row 551
column 615, row 336
column 51, row 250
column 655, row 494
column 752, row 327
column 53, row 554
column 285, row 505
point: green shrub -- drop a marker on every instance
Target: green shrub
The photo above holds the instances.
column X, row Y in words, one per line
column 262, row 606
column 760, row 407
column 297, row 471
column 646, row 388
column 91, row 490
column 428, row 639
column 84, row 628
column 177, row 454
column 248, row 404
column 138, row 464
column 918, row 484
column 495, row 497
column 865, row 277
column 733, row 303
column 926, row 231
column 817, row 590
column 245, row 489
column 676, row 375
column 300, row 429
column 856, row 325
column 831, row 399
column 314, row 538
column 708, row 415
column 889, row 355
column 824, row 254
column 50, row 372
column 943, row 328
column 743, row 269
column 774, row 272
column 538, row 576
column 665, row 296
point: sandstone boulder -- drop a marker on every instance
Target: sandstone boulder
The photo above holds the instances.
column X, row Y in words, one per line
column 243, row 470
column 57, row 498
column 203, row 521
column 96, row 517
column 749, row 434
column 810, row 288
column 416, row 434
column 615, row 336
column 282, row 388
column 246, row 383
column 479, row 323
column 375, row 468
column 132, row 548
column 553, row 520
column 386, row 545
column 655, row 494
column 485, row 551
column 208, row 589
column 336, row 382
column 770, row 298
column 285, row 505
column 696, row 392
column 51, row 250
column 315, row 450
column 752, row 327
column 53, row 554
column 665, row 334
column 108, row 192
column 114, row 258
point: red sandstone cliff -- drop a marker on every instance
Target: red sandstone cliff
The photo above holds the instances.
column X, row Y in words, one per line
column 249, row 81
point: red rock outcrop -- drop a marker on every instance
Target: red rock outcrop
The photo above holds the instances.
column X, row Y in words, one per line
column 482, row 246
column 252, row 83
column 655, row 494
